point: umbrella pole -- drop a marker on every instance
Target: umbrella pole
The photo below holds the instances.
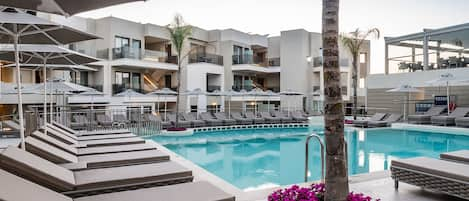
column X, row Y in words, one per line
column 18, row 83
column 447, row 97
column 165, row 108
column 229, row 108
column 44, row 73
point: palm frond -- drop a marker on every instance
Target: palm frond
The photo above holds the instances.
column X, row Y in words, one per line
column 179, row 31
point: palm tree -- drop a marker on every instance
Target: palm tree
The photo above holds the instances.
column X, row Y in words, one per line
column 336, row 165
column 354, row 41
column 179, row 32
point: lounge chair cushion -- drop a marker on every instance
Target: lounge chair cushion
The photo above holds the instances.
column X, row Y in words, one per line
column 115, row 149
column 97, row 142
column 460, row 156
column 49, row 152
column 36, row 169
column 126, row 175
column 14, row 188
column 441, row 168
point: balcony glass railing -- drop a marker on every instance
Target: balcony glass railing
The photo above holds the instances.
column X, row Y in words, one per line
column 136, row 53
column 117, row 88
column 250, row 59
column 126, row 52
column 207, row 58
column 274, row 61
column 154, row 55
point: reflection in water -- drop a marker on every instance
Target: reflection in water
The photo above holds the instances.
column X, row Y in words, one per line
column 252, row 159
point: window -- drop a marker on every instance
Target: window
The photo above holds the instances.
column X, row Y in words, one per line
column 136, row 44
column 363, row 58
column 123, row 78
column 136, row 81
column 84, row 78
column 167, row 81
column 121, row 42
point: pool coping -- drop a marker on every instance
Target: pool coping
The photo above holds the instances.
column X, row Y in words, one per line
column 431, row 128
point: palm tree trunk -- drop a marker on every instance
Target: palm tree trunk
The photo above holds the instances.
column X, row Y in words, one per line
column 178, row 89
column 336, row 167
column 355, row 85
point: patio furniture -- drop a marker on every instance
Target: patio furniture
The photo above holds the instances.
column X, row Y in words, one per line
column 450, row 119
column 386, row 121
column 73, row 140
column 74, row 162
column 51, row 128
column 453, row 62
column 194, row 191
column 425, row 118
column 9, row 128
column 157, row 118
column 364, row 123
column 241, row 119
column 92, row 181
column 83, row 151
column 416, row 66
column 269, row 118
column 461, row 156
column 181, row 122
column 195, row 122
column 462, row 122
column 257, row 120
column 121, row 119
column 104, row 120
column 283, row 118
column 299, row 116
column 436, row 175
column 210, row 120
column 63, row 128
column 404, row 66
column 226, row 121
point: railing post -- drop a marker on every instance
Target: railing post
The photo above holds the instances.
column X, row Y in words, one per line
column 307, row 155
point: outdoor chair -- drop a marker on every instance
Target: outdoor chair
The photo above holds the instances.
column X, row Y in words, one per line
column 443, row 176
column 425, row 118
column 270, row 119
column 79, row 142
column 210, row 120
column 53, row 129
column 195, row 122
column 67, row 129
column 386, row 121
column 450, row 119
column 240, row 119
column 104, row 120
column 283, row 118
column 181, row 122
column 461, row 156
column 197, row 191
column 257, row 120
column 298, row 116
column 157, row 118
column 364, row 123
column 226, row 121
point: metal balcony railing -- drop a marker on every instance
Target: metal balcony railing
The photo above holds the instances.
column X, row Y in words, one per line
column 154, row 55
column 250, row 59
column 207, row 58
column 274, row 61
column 136, row 53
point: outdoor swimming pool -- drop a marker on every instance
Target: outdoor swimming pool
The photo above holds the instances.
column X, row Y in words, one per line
column 259, row 158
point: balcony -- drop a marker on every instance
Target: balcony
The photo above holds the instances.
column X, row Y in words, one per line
column 207, row 58
column 117, row 88
column 153, row 55
column 274, row 61
column 250, row 59
column 136, row 53
column 212, row 88
column 126, row 52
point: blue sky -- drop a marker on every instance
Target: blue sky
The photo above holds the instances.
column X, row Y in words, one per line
column 392, row 17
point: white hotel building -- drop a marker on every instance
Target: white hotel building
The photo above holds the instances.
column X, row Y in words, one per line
column 140, row 56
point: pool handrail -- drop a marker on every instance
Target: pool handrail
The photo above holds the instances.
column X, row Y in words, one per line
column 314, row 135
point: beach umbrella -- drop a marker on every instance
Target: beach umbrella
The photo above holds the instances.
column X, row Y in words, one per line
column 163, row 92
column 408, row 90
column 62, row 7
column 290, row 92
column 446, row 79
column 47, row 56
column 91, row 93
column 20, row 27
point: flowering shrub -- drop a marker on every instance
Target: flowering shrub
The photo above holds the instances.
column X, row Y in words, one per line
column 313, row 193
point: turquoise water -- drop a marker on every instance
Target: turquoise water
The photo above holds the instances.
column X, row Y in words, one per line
column 254, row 159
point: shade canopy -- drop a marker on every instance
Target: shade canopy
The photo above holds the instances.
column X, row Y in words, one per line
column 129, row 93
column 63, row 7
column 256, row 92
column 446, row 78
column 55, row 67
column 58, row 86
column 163, row 92
column 290, row 92
column 11, row 88
column 35, row 30
column 404, row 89
column 38, row 54
column 92, row 92
column 195, row 92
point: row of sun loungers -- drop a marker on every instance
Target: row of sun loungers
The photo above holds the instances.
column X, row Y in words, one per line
column 61, row 166
column 190, row 119
column 435, row 116
column 449, row 175
column 378, row 120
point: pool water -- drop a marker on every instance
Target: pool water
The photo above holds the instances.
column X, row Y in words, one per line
column 260, row 158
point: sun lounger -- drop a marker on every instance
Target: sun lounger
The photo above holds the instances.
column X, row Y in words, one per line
column 51, row 127
column 283, row 118
column 450, row 120
column 425, row 118
column 269, row 118
column 195, row 122
column 121, row 119
column 374, row 118
column 82, row 151
column 82, row 122
column 73, row 162
column 156, row 118
column 226, row 121
column 70, row 139
column 386, row 122
column 257, row 120
column 197, row 191
column 433, row 174
column 9, row 128
column 104, row 120
column 456, row 156
column 93, row 181
column 181, row 122
column 89, row 133
column 299, row 116
column 240, row 119
column 208, row 118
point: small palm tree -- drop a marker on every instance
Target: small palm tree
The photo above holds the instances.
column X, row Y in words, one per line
column 179, row 32
column 336, row 179
column 354, row 41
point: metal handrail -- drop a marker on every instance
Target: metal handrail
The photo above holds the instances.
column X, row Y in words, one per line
column 307, row 155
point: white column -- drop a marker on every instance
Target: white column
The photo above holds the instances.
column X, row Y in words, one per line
column 386, row 59
column 425, row 52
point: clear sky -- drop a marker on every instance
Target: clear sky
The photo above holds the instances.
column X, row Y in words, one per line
column 392, row 17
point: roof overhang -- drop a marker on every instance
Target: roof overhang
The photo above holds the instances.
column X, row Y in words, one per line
column 137, row 63
column 255, row 69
